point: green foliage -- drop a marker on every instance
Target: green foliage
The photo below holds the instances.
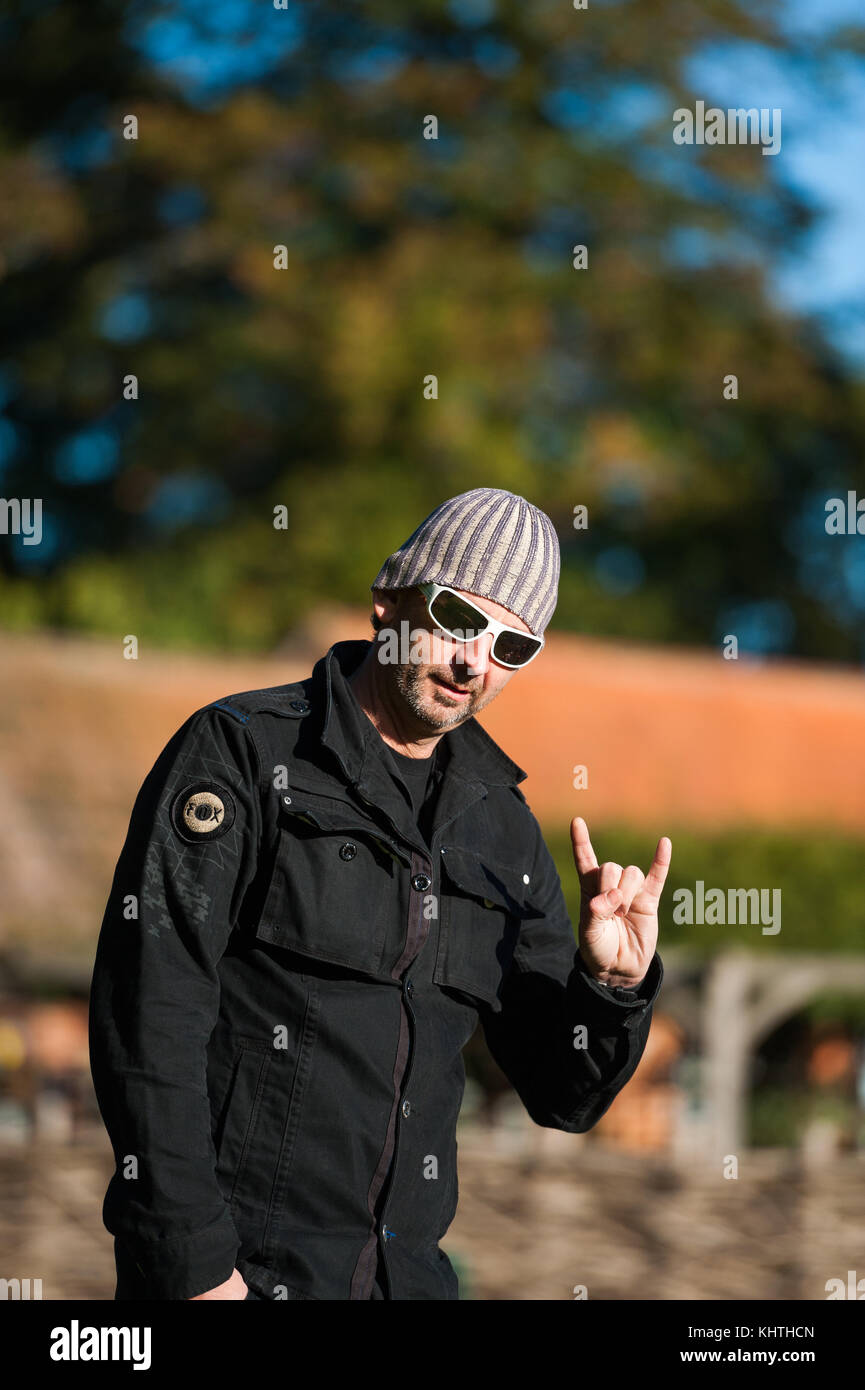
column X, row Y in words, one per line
column 778, row 1116
column 846, row 1010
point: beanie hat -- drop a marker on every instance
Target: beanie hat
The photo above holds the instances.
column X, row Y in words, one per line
column 486, row 542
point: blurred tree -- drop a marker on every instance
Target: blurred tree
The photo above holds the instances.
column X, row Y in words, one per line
column 303, row 127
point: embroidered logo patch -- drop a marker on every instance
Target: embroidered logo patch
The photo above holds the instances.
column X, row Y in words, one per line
column 202, row 811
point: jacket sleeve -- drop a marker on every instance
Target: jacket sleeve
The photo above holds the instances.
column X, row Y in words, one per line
column 566, row 1043
column 189, row 856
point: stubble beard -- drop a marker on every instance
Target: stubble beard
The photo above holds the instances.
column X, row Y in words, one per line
column 429, row 704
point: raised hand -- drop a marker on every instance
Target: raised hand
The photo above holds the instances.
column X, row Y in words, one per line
column 618, row 911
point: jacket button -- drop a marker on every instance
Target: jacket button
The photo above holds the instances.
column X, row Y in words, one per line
column 406, row 1108
column 409, row 988
column 348, row 851
column 300, row 705
column 421, row 882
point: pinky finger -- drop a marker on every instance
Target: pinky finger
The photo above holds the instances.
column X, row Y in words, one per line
column 657, row 875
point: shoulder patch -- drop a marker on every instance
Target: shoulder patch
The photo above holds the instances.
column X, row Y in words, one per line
column 202, row 811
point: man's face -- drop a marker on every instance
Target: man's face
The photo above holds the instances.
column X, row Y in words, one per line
column 451, row 681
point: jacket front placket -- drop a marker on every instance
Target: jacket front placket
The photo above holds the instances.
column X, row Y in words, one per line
column 353, row 741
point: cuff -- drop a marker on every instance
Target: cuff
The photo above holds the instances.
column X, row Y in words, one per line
column 618, row 1000
column 187, row 1265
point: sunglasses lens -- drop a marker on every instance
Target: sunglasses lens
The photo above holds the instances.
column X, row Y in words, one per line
column 514, row 649
column 465, row 622
column 455, row 616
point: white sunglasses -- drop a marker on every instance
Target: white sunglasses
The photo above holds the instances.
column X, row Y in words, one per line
column 460, row 619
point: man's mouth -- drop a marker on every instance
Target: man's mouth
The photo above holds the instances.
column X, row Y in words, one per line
column 455, row 690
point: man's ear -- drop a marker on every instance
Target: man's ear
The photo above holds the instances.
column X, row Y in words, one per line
column 385, row 602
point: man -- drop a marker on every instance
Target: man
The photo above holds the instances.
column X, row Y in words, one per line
column 324, row 887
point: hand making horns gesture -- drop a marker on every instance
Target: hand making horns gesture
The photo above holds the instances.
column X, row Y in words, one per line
column 618, row 911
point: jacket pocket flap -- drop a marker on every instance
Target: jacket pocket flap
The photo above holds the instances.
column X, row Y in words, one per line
column 495, row 884
column 298, row 807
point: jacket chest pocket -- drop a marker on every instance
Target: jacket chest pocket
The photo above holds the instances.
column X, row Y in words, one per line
column 333, row 886
column 483, row 905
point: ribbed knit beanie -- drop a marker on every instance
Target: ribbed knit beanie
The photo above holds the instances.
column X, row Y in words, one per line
column 486, row 542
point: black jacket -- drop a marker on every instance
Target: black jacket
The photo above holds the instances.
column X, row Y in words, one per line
column 285, row 978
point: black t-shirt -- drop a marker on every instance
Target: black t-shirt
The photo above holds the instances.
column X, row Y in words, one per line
column 419, row 777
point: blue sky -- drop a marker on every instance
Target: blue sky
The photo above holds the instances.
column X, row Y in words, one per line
column 822, row 157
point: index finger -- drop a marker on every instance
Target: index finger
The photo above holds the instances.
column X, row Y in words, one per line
column 657, row 875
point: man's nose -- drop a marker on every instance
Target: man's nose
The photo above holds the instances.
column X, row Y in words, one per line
column 475, row 655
